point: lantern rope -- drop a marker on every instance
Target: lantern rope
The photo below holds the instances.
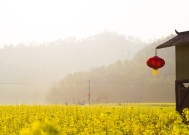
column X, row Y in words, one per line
column 155, row 52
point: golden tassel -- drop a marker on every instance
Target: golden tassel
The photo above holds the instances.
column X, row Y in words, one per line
column 155, row 72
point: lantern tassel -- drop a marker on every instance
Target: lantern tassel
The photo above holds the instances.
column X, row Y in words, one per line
column 155, row 72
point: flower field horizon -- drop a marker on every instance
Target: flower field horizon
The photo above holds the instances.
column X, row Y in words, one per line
column 114, row 119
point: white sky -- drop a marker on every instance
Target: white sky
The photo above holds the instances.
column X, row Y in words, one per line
column 47, row 20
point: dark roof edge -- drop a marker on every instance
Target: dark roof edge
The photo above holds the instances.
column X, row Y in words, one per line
column 163, row 46
column 173, row 41
column 182, row 33
column 167, row 43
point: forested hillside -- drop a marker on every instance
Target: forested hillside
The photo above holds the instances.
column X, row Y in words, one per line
column 27, row 71
column 124, row 81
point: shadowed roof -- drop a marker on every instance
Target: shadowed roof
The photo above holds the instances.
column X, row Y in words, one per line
column 181, row 39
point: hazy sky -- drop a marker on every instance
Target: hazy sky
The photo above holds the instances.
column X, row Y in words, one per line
column 47, row 20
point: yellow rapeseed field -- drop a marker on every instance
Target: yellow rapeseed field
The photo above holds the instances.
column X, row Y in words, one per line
column 91, row 120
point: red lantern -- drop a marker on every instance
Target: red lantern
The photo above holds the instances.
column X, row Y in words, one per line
column 155, row 63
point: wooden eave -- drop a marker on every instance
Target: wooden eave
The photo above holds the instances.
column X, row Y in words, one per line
column 182, row 38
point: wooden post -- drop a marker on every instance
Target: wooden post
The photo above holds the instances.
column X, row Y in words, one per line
column 176, row 95
column 181, row 95
column 89, row 93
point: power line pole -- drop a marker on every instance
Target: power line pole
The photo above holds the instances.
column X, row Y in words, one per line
column 89, row 93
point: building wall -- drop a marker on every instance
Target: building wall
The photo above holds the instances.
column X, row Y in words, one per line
column 182, row 62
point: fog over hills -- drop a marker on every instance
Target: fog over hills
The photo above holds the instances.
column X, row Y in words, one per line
column 123, row 81
column 28, row 71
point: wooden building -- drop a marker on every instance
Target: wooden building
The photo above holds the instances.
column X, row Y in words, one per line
column 181, row 43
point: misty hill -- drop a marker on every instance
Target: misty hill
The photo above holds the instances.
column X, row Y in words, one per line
column 27, row 71
column 124, row 81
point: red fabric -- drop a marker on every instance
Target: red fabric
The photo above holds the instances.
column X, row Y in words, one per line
column 155, row 62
